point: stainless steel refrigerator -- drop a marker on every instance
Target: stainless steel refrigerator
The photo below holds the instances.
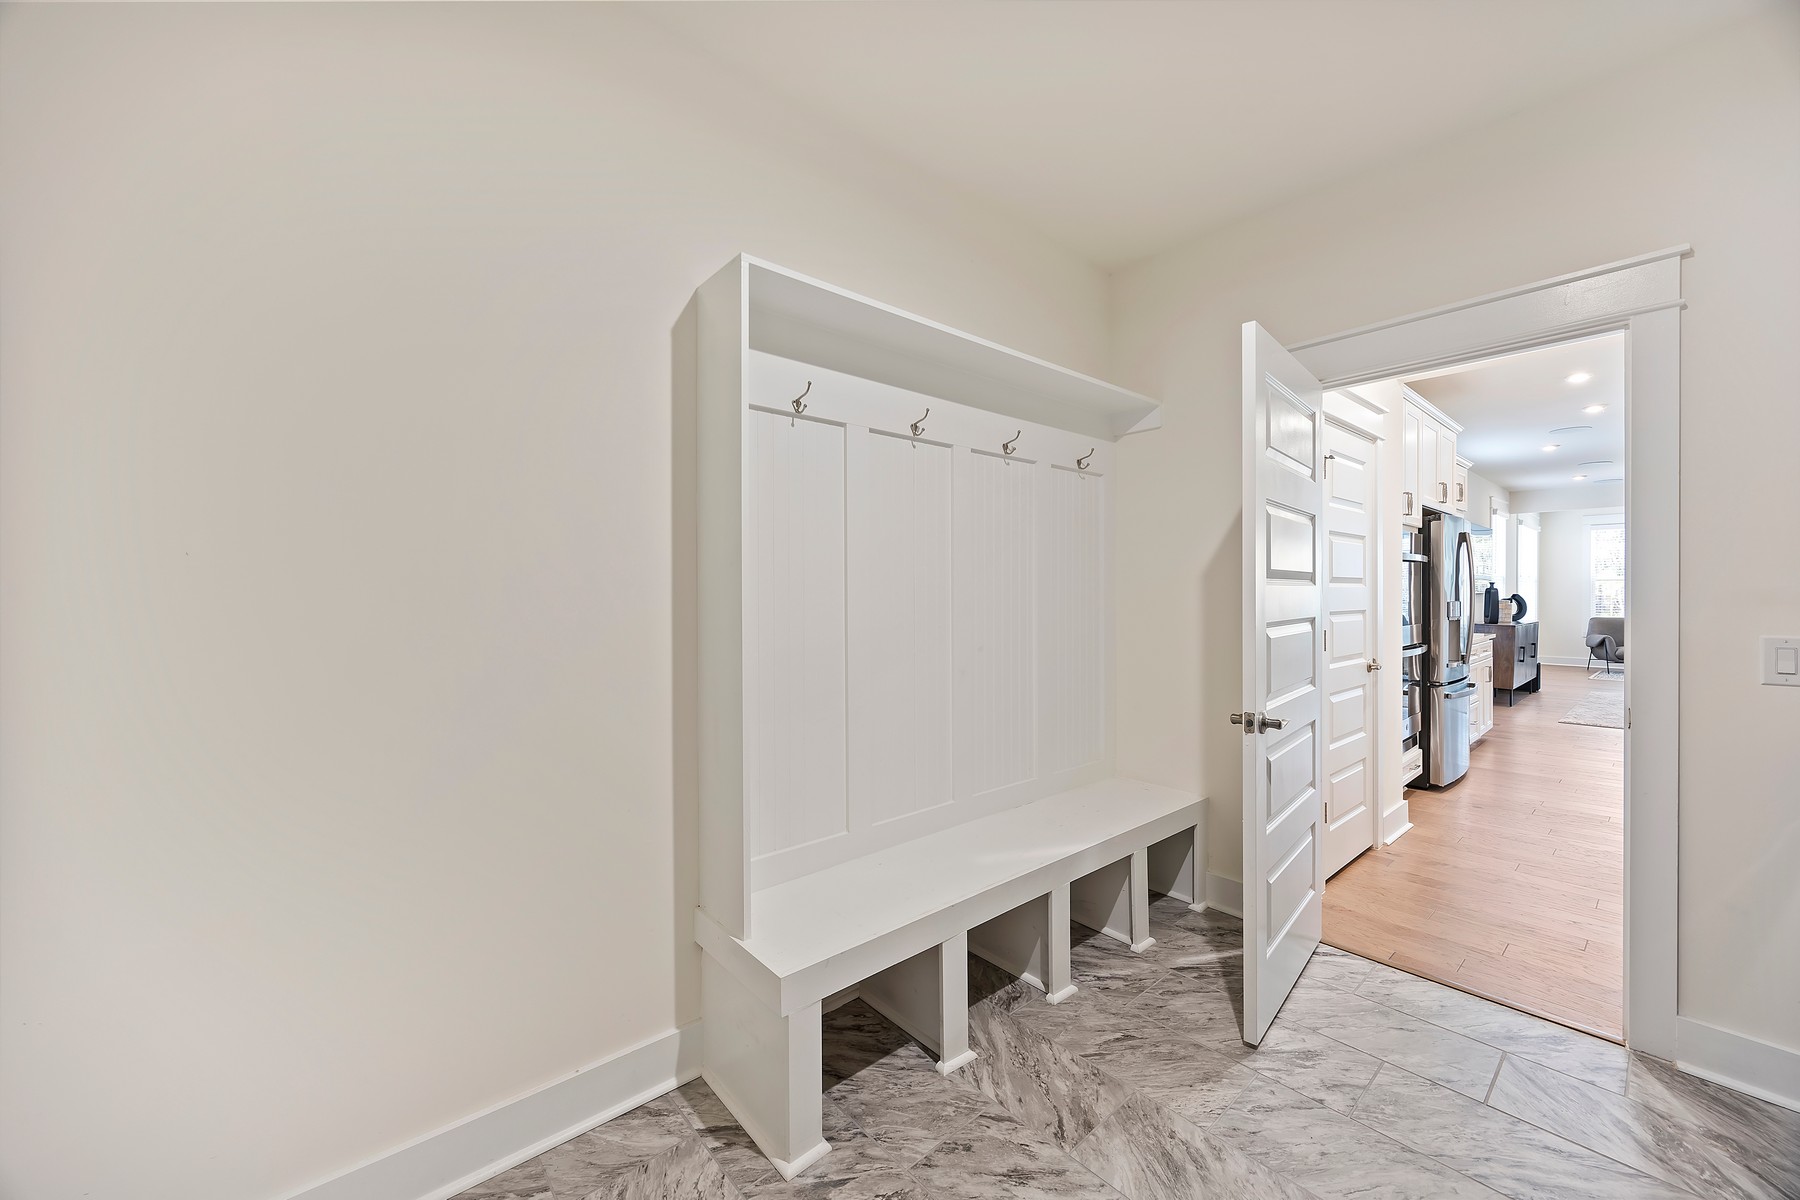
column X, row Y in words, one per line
column 1444, row 667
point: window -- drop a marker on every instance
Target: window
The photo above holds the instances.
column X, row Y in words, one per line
column 1606, row 569
column 1481, row 542
column 1528, row 564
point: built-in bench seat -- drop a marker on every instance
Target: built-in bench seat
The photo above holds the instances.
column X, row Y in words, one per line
column 898, row 925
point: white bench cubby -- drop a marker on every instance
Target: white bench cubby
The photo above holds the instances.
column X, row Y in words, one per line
column 905, row 708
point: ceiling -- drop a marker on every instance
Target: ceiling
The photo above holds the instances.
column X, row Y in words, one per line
column 1121, row 128
column 1511, row 408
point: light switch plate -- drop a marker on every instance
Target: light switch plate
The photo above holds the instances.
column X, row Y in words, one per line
column 1781, row 661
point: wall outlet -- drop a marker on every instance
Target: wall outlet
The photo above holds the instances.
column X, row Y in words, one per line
column 1781, row 661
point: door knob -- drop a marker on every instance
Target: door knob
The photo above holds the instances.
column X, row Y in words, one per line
column 1238, row 718
column 1263, row 723
column 1372, row 665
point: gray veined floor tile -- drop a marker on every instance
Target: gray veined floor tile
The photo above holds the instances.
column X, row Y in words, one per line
column 1762, row 1138
column 1332, row 1155
column 1425, row 1049
column 1509, row 1155
column 1087, row 1019
column 1224, row 932
column 1041, row 1084
column 858, row 1166
column 1337, row 969
column 991, row 987
column 599, row 1161
column 1100, row 964
column 1202, row 1009
column 855, row 1036
column 1173, row 1072
column 1597, row 1061
column 683, row 1172
column 1620, row 1128
column 905, row 1107
column 526, row 1181
column 1179, row 949
column 1318, row 1067
column 997, row 1158
column 1147, row 1153
column 730, row 1146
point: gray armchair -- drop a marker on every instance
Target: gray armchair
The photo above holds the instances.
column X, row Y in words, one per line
column 1606, row 641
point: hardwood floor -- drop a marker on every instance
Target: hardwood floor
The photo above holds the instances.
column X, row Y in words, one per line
column 1510, row 884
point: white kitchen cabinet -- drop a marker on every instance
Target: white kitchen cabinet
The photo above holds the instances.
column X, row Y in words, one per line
column 1481, row 674
column 1412, row 441
column 1428, row 460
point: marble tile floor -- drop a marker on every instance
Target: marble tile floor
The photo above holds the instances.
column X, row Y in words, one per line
column 1372, row 1083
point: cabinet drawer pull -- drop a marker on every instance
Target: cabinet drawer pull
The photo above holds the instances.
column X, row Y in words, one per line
column 1409, row 503
column 1521, row 654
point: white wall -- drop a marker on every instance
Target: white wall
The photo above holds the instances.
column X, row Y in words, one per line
column 1481, row 498
column 341, row 793
column 1695, row 147
column 1563, row 584
column 1559, row 499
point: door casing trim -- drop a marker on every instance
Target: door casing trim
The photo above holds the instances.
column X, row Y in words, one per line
column 1640, row 297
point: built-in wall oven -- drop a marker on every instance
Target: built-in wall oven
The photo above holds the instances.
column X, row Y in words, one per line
column 1414, row 581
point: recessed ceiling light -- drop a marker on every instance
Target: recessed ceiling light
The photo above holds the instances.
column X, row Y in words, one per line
column 1591, row 409
column 1580, row 377
column 1552, row 446
column 1581, row 476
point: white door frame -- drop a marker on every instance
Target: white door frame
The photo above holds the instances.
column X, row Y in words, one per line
column 1642, row 298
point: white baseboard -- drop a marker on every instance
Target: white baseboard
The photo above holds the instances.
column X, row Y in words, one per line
column 1759, row 1069
column 1557, row 660
column 455, row 1158
column 1226, row 895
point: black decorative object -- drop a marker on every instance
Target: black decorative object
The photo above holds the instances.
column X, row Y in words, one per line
column 1518, row 608
column 1490, row 605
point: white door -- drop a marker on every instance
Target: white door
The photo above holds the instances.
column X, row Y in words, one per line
column 1284, row 875
column 1352, row 639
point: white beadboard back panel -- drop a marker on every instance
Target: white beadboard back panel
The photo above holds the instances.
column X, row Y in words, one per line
column 972, row 615
column 899, row 626
column 794, row 650
column 996, row 614
column 1072, row 620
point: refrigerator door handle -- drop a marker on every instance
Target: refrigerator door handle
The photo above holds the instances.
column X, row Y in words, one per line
column 1465, row 552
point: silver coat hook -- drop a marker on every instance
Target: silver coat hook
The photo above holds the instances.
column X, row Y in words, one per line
column 1082, row 462
column 1007, row 447
column 798, row 406
column 918, row 426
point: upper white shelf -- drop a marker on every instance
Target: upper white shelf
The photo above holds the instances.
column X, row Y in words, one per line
column 800, row 318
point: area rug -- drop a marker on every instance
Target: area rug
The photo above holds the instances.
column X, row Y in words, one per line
column 1603, row 709
column 1616, row 675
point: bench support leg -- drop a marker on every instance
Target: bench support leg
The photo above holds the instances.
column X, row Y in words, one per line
column 765, row 1067
column 1140, row 901
column 927, row 995
column 1058, row 983
column 1116, row 901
